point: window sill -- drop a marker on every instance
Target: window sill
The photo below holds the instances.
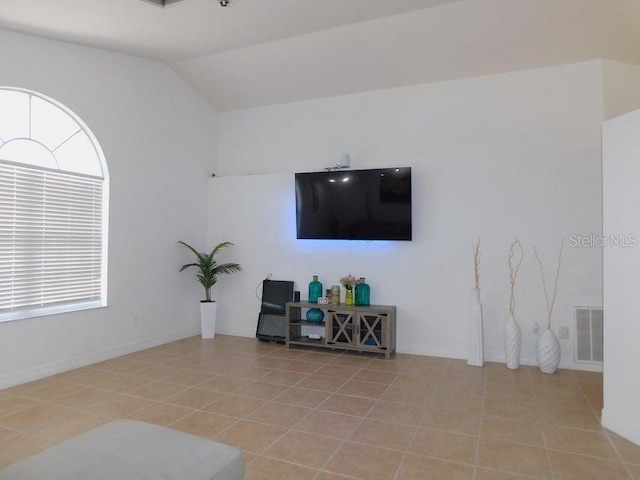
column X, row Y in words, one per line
column 50, row 310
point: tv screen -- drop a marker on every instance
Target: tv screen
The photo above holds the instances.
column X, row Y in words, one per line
column 372, row 204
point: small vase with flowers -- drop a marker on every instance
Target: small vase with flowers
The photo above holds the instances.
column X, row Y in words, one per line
column 348, row 283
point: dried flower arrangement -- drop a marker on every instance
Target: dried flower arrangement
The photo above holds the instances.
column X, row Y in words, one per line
column 555, row 283
column 476, row 264
column 349, row 281
column 514, row 257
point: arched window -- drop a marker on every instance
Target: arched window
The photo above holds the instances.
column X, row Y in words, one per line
column 53, row 209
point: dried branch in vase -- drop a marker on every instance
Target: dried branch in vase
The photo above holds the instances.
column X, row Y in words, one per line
column 476, row 264
column 551, row 303
column 515, row 257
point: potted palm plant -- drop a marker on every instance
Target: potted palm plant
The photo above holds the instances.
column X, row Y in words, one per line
column 207, row 275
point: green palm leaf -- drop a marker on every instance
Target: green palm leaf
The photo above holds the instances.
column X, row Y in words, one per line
column 208, row 268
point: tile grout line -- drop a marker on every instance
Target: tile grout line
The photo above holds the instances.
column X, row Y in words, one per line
column 418, row 426
column 482, row 405
column 618, row 454
column 298, row 422
column 181, row 349
column 344, row 440
column 312, row 411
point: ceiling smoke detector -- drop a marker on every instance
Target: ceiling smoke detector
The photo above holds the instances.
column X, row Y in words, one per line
column 163, row 3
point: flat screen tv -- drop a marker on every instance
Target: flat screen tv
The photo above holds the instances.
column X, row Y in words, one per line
column 372, row 204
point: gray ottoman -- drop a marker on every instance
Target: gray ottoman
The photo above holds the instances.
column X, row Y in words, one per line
column 127, row 450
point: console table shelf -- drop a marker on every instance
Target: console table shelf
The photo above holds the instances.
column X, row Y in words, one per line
column 350, row 327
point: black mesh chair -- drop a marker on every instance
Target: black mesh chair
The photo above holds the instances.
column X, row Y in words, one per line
column 272, row 320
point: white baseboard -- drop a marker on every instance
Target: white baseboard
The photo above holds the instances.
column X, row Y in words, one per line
column 45, row 370
column 236, row 332
column 497, row 357
column 444, row 353
column 620, row 425
column 48, row 369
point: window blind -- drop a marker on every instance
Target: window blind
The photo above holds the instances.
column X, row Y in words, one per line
column 50, row 238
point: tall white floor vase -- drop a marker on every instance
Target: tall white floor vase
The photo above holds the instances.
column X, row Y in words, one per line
column 474, row 338
column 548, row 352
column 208, row 319
column 512, row 341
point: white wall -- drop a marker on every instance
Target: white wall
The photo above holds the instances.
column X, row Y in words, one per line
column 498, row 157
column 158, row 137
column 621, row 177
column 621, row 88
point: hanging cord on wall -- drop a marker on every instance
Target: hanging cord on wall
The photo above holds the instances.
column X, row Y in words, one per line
column 260, row 283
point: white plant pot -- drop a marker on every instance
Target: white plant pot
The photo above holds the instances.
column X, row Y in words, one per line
column 548, row 352
column 512, row 340
column 474, row 335
column 208, row 319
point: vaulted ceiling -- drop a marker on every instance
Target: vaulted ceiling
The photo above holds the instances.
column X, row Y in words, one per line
column 259, row 52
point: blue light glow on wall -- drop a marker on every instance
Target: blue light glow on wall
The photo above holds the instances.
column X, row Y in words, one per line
column 332, row 245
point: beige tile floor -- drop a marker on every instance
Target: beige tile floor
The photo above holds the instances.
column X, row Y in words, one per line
column 329, row 415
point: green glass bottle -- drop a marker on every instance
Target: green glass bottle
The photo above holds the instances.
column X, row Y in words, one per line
column 315, row 290
column 363, row 293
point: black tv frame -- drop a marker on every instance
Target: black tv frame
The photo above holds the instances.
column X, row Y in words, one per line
column 369, row 204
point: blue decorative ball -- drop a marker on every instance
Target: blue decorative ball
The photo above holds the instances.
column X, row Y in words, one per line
column 315, row 315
